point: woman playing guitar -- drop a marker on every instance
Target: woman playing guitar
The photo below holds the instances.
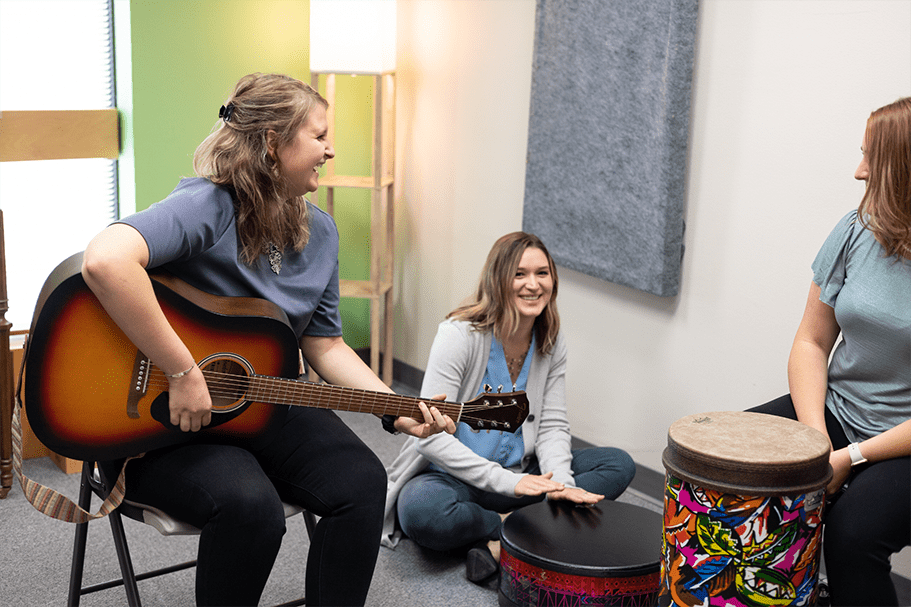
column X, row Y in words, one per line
column 243, row 228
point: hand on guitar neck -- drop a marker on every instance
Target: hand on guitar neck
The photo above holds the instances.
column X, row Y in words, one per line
column 432, row 419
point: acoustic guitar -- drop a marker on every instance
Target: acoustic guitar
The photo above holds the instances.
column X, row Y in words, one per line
column 90, row 394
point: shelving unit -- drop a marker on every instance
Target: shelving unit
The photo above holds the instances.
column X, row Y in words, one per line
column 377, row 288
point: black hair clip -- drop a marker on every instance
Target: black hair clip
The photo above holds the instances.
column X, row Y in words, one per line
column 226, row 112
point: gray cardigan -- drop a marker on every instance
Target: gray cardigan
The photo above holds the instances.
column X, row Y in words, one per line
column 458, row 360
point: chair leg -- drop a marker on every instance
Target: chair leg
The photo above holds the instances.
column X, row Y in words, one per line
column 82, row 530
column 123, row 557
column 120, row 544
column 310, row 522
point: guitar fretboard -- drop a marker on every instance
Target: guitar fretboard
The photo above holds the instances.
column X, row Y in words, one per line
column 283, row 391
column 503, row 411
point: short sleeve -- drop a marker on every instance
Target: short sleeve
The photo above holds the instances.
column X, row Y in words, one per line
column 193, row 217
column 831, row 261
column 327, row 319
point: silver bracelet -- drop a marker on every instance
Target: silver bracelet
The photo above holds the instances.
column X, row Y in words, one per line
column 181, row 374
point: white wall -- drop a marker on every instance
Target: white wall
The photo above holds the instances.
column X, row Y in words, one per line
column 464, row 83
column 781, row 94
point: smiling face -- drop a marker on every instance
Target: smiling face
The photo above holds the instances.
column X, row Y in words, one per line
column 301, row 158
column 533, row 284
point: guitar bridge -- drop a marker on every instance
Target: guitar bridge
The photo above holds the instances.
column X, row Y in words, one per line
column 139, row 384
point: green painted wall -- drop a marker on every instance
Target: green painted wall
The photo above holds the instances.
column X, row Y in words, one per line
column 186, row 58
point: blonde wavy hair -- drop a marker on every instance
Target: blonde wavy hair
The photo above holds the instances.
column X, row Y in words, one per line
column 236, row 154
column 493, row 306
column 886, row 206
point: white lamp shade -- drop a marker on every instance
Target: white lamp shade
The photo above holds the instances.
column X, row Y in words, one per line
column 352, row 36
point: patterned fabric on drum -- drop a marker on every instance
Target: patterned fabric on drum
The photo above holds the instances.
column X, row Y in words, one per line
column 739, row 551
column 526, row 584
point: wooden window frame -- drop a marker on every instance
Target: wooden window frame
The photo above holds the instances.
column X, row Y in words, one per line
column 59, row 134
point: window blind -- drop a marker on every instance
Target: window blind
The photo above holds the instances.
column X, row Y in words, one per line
column 54, row 55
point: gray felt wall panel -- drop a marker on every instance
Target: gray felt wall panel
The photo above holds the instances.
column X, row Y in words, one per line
column 605, row 178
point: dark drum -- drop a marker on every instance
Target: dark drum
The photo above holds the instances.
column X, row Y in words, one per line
column 743, row 505
column 557, row 553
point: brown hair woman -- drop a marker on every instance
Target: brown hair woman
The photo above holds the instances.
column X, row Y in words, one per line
column 243, row 227
column 452, row 493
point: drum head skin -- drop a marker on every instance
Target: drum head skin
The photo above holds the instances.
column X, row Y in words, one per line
column 748, row 453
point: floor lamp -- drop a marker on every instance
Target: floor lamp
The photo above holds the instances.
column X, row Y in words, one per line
column 357, row 37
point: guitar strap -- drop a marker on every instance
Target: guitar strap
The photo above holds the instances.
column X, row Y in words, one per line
column 47, row 500
column 51, row 502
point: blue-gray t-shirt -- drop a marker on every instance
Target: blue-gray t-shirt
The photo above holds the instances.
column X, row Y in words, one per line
column 193, row 234
column 869, row 388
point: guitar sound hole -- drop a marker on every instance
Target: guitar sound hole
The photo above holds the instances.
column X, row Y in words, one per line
column 228, row 382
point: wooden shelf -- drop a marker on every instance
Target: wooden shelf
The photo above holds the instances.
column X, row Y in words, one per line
column 377, row 288
column 364, row 289
column 351, row 181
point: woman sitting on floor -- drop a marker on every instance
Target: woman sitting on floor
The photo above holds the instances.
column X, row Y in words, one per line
column 452, row 491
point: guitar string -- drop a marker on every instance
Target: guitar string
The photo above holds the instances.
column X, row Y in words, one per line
column 230, row 386
column 295, row 388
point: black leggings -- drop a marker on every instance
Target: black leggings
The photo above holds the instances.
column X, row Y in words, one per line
column 234, row 495
column 865, row 525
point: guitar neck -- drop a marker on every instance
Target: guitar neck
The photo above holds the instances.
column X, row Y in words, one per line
column 283, row 391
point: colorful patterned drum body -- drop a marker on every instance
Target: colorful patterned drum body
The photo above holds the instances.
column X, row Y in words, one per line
column 555, row 553
column 743, row 506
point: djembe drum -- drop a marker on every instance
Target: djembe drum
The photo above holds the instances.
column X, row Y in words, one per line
column 743, row 504
column 557, row 553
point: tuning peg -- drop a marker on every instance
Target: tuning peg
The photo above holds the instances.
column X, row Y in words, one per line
column 487, row 388
column 499, row 388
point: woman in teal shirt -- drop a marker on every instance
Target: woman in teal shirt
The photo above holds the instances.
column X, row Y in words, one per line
column 861, row 398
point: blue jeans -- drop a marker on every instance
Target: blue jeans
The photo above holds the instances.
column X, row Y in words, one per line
column 234, row 496
column 440, row 512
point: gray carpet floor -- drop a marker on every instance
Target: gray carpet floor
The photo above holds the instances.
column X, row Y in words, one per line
column 37, row 550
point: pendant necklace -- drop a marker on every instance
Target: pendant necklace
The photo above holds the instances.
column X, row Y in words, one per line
column 515, row 363
column 275, row 258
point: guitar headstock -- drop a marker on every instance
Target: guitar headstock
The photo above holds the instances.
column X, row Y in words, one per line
column 496, row 411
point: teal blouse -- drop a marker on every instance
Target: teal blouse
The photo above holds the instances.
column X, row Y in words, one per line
column 870, row 370
column 505, row 448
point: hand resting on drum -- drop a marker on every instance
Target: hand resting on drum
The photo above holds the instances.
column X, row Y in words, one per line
column 538, row 484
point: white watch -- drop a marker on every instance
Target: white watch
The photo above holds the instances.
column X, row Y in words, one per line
column 856, row 456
